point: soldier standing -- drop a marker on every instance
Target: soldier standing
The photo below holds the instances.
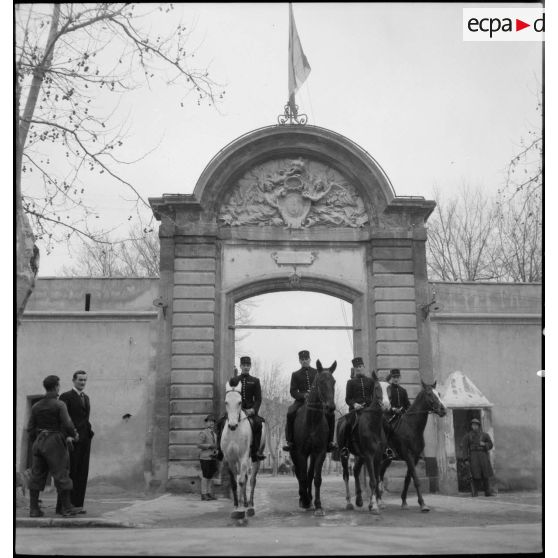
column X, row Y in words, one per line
column 53, row 431
column 475, row 447
column 301, row 380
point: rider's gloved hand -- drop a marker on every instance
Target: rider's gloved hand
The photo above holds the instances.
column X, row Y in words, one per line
column 358, row 406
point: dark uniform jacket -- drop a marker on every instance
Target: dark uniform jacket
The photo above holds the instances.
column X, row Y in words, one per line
column 50, row 414
column 79, row 412
column 251, row 392
column 398, row 397
column 301, row 380
column 477, row 454
column 360, row 389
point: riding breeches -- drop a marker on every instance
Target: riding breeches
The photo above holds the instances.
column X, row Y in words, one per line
column 50, row 454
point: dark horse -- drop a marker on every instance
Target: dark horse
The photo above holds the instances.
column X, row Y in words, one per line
column 311, row 435
column 407, row 440
column 366, row 442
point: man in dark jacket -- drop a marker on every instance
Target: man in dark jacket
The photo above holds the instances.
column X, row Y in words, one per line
column 251, row 393
column 79, row 408
column 397, row 394
column 475, row 447
column 52, row 430
column 358, row 394
column 301, row 380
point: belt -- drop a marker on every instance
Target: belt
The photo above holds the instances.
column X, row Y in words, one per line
column 50, row 432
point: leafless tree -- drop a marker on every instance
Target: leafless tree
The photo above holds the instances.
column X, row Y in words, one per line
column 71, row 58
column 275, row 402
column 461, row 237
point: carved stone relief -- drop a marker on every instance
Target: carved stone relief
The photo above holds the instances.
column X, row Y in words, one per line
column 293, row 193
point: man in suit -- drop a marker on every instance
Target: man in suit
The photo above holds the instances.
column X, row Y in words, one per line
column 79, row 408
column 301, row 380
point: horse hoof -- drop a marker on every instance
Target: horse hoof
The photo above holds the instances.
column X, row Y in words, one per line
column 424, row 508
column 373, row 511
column 319, row 512
column 381, row 505
column 250, row 512
column 358, row 501
column 349, row 507
column 404, row 506
column 238, row 515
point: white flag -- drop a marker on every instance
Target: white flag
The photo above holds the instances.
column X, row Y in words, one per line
column 298, row 64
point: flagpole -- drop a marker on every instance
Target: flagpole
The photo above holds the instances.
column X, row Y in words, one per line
column 298, row 70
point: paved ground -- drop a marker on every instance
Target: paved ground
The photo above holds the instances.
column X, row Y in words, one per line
column 183, row 525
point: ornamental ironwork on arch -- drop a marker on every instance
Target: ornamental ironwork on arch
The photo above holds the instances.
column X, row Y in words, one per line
column 296, row 193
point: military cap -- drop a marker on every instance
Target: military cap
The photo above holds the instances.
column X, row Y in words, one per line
column 304, row 354
column 475, row 421
column 245, row 360
column 393, row 373
column 209, row 417
column 357, row 361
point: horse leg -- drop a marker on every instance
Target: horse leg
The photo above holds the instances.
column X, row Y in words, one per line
column 255, row 469
column 416, row 481
column 236, row 513
column 302, row 477
column 356, row 472
column 368, row 460
column 345, row 465
column 310, row 478
column 318, row 465
column 379, row 484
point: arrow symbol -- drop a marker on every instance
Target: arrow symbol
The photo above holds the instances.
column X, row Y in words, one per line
column 519, row 25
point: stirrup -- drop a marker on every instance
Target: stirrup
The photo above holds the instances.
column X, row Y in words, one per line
column 389, row 454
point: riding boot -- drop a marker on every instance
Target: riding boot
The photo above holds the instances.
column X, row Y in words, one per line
column 289, row 433
column 34, row 508
column 67, row 509
column 331, row 446
column 256, row 452
column 219, row 425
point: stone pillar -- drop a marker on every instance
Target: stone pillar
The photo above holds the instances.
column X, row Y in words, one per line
column 158, row 438
column 193, row 356
column 395, row 310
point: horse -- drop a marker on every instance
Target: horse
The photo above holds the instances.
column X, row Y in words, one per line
column 236, row 440
column 311, row 436
column 366, row 442
column 407, row 440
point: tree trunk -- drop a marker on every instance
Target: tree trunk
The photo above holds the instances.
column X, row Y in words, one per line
column 27, row 262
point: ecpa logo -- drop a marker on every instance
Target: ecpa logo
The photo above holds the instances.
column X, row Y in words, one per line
column 503, row 24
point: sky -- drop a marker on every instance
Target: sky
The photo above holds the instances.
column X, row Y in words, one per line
column 431, row 109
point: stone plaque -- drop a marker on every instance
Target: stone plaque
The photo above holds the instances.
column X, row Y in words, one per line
column 293, row 193
column 290, row 257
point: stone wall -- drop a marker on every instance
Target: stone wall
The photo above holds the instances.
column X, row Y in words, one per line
column 492, row 333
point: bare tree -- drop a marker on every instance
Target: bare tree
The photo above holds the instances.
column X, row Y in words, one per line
column 275, row 402
column 69, row 59
column 461, row 238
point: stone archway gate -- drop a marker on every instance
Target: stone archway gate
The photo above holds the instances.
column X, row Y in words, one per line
column 281, row 207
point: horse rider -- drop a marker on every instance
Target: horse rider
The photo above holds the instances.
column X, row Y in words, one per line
column 251, row 393
column 301, row 380
column 475, row 446
column 358, row 394
column 398, row 398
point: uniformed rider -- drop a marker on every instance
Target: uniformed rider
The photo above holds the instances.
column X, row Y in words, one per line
column 53, row 431
column 301, row 380
column 397, row 394
column 251, row 393
column 358, row 394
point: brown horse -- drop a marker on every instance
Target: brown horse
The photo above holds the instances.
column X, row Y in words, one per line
column 311, row 435
column 366, row 442
column 407, row 438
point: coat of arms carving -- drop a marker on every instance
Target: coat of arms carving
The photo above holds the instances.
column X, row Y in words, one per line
column 294, row 193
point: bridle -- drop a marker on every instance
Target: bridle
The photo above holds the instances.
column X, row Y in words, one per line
column 240, row 412
column 316, row 406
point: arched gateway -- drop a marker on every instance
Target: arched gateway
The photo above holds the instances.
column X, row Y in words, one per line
column 279, row 208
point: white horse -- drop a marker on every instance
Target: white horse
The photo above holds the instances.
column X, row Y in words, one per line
column 235, row 445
